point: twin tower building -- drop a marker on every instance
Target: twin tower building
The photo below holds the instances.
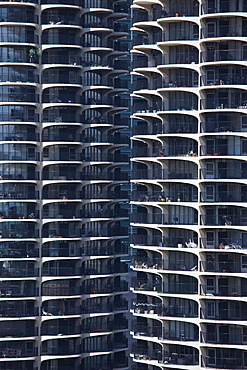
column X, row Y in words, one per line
column 64, row 177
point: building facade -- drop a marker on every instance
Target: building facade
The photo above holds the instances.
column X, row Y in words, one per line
column 62, row 239
column 190, row 179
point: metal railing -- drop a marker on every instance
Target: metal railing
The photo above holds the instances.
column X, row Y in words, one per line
column 215, row 55
column 225, row 314
column 229, row 290
column 220, row 266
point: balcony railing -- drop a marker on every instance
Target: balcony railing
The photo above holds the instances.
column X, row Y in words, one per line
column 147, row 263
column 162, row 219
column 98, row 308
column 223, row 31
column 181, row 288
column 227, row 220
column 108, row 250
column 229, row 290
column 231, row 337
column 221, row 104
column 178, row 196
column 223, row 79
column 140, row 239
column 214, row 55
column 61, row 175
column 232, row 243
column 61, row 233
column 59, row 290
column 225, row 314
column 220, row 266
column 62, row 58
column 18, row 272
column 18, row 312
column 105, row 195
column 16, row 352
column 230, row 362
column 60, row 329
column 15, row 333
column 61, row 350
column 163, row 310
column 60, row 271
column 224, row 196
column 223, row 6
column 102, row 327
column 57, row 311
column 223, row 150
column 161, row 333
column 15, row 291
column 144, row 354
column 163, row 174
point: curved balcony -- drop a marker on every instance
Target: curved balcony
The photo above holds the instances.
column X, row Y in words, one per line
column 61, row 36
column 236, row 169
column 180, row 31
column 235, row 361
column 57, row 327
column 170, row 193
column 143, row 354
column 97, row 248
column 222, row 265
column 10, row 349
column 17, row 133
column 17, row 249
column 223, row 122
column 59, row 347
column 224, row 311
column 57, row 75
column 142, row 285
column 60, row 307
column 17, row 289
column 187, row 216
column 61, row 249
column 15, row 329
column 224, row 28
column 163, row 334
column 19, row 54
column 181, row 54
column 61, row 172
column 12, row 171
column 61, row 269
column 186, row 309
column 184, row 241
column 224, row 6
column 223, row 194
column 17, row 309
column 21, row 14
column 18, row 34
column 14, row 93
column 18, row 230
column 60, row 230
column 224, row 75
column 60, row 95
column 59, row 288
column 18, row 113
column 12, row 269
column 213, row 54
column 225, row 334
column 63, row 2
column 225, row 290
column 67, row 55
column 18, row 74
column 226, row 216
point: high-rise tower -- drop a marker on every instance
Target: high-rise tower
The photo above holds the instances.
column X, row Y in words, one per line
column 190, row 177
column 61, row 304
